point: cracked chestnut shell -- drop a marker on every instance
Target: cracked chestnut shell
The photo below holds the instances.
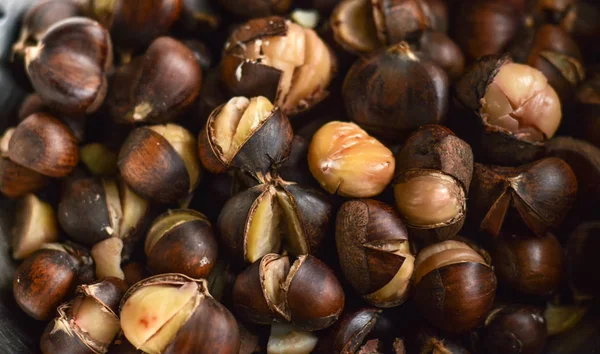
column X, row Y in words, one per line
column 157, row 87
column 273, row 217
column 516, row 107
column 305, row 293
column 280, row 60
column 68, row 66
column 172, row 313
column 391, row 92
column 451, row 278
column 374, row 251
column 256, row 8
column 541, row 193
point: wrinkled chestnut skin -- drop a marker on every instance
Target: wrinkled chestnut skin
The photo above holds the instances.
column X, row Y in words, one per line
column 581, row 258
column 17, row 181
column 529, row 264
column 390, row 93
column 256, row 8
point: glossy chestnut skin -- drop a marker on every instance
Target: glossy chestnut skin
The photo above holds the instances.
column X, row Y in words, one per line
column 17, row 181
column 158, row 87
column 256, row 8
column 377, row 97
column 581, row 260
column 68, row 66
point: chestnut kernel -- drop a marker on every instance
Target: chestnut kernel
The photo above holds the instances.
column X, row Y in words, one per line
column 107, row 255
column 562, row 318
column 35, row 225
column 99, row 159
column 354, row 26
column 284, row 339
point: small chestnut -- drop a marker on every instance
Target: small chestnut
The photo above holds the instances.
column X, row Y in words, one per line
column 256, row 8
column 35, row 224
column 451, row 278
column 172, row 313
column 306, row 293
column 285, row 339
column 581, row 260
column 344, row 159
column 160, row 162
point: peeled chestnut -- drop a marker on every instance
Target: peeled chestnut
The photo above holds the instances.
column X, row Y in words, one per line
column 285, row 339
column 282, row 61
column 541, row 193
column 248, row 134
column 345, row 160
column 392, row 92
column 273, row 217
column 47, row 277
column 69, row 64
column 157, row 87
column 87, row 324
column 517, row 109
column 374, row 251
column 256, row 8
column 305, row 293
column 172, row 313
column 432, row 179
column 160, row 162
column 581, row 259
column 451, row 278
column 181, row 241
column 35, row 224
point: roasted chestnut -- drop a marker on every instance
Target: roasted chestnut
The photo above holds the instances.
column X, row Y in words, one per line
column 391, row 92
column 248, row 134
column 35, row 225
column 108, row 255
column 256, row 8
column 87, row 324
column 295, row 168
column 581, row 260
column 285, row 339
column 274, row 217
column 541, row 193
column 68, row 66
column 451, row 278
column 374, row 252
column 280, row 60
column 441, row 49
column 172, row 313
column 160, row 162
column 306, row 293
column 181, row 241
column 202, row 53
column 345, row 160
column 432, row 179
column 516, row 107
column 157, row 87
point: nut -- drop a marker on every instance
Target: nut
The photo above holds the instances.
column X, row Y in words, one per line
column 35, row 225
column 284, row 339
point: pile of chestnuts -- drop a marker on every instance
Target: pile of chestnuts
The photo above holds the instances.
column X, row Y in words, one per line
column 305, row 176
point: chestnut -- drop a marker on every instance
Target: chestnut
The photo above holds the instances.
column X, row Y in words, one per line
column 541, row 193
column 274, row 217
column 69, row 64
column 157, row 87
column 403, row 20
column 35, row 224
column 305, row 293
column 374, row 251
column 248, row 134
column 44, row 144
column 46, row 278
column 160, row 162
column 516, row 107
column 295, row 168
column 87, row 324
column 99, row 159
column 345, row 160
column 15, row 180
column 451, row 278
column 285, row 339
column 580, row 258
column 280, row 60
column 353, row 26
column 432, row 179
column 181, row 241
column 442, row 50
column 172, row 313
column 391, row 92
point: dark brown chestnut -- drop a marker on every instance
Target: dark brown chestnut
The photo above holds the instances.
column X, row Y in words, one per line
column 160, row 162
column 295, row 168
column 45, row 279
column 374, row 251
column 87, row 324
column 285, row 339
column 541, row 193
column 181, row 241
column 35, row 224
column 451, row 278
column 581, row 260
column 248, row 134
column 391, row 92
column 172, row 313
column 69, row 64
column 441, row 49
column 256, row 8
column 306, row 293
column 157, row 87
column 280, row 60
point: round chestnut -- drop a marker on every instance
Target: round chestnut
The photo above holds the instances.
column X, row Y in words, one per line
column 391, row 92
column 35, row 224
column 172, row 313
column 451, row 278
column 256, row 8
column 160, row 162
column 374, row 251
column 581, row 260
column 306, row 293
column 345, row 160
